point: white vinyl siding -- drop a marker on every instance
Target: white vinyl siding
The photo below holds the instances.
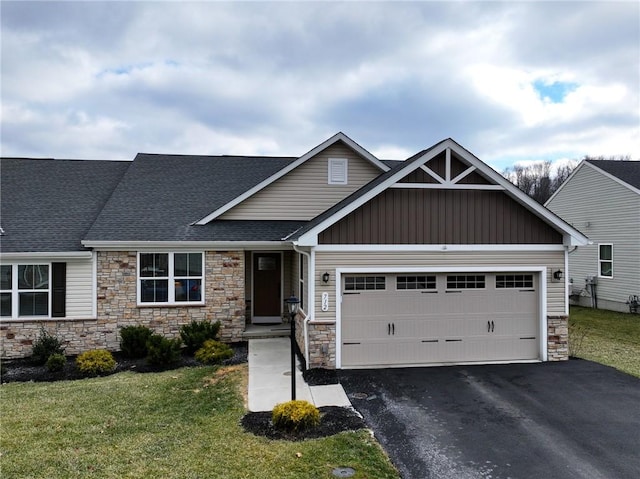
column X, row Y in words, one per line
column 606, row 212
column 304, row 192
column 80, row 280
column 329, row 261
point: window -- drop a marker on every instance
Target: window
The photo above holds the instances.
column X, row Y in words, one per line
column 465, row 281
column 170, row 278
column 24, row 290
column 605, row 260
column 514, row 281
column 416, row 282
column 364, row 283
column 337, row 174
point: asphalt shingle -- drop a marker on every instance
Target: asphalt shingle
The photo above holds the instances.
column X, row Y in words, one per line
column 627, row 171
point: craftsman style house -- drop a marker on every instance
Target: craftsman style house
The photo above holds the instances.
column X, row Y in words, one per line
column 434, row 260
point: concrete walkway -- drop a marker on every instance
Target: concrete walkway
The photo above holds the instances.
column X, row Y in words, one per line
column 270, row 378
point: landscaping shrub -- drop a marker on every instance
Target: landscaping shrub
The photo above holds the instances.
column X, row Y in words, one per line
column 213, row 352
column 162, row 351
column 133, row 341
column 295, row 416
column 56, row 362
column 196, row 333
column 97, row 361
column 46, row 345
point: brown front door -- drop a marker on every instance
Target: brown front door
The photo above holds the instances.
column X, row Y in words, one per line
column 267, row 277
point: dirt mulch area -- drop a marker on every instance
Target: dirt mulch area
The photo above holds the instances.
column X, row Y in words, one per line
column 333, row 420
column 23, row 370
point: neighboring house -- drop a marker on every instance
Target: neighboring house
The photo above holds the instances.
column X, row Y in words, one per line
column 602, row 198
column 434, row 260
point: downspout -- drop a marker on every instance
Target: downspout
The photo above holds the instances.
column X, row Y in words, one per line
column 311, row 272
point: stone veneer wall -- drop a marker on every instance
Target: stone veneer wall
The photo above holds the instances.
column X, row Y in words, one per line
column 322, row 333
column 117, row 287
column 558, row 337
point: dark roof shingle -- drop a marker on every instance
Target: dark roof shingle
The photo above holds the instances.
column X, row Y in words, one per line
column 627, row 171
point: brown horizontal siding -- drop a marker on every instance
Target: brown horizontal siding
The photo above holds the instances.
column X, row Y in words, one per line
column 428, row 216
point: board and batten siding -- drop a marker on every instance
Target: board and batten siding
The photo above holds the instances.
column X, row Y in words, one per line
column 606, row 212
column 304, row 192
column 329, row 261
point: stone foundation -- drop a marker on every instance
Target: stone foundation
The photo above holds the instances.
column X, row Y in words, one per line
column 558, row 337
column 117, row 307
column 322, row 344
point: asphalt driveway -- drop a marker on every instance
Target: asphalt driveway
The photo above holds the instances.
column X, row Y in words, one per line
column 573, row 419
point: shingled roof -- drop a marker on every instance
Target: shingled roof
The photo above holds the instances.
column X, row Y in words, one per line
column 161, row 196
column 49, row 205
column 626, row 171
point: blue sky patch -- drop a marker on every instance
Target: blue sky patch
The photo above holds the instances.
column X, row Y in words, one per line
column 554, row 92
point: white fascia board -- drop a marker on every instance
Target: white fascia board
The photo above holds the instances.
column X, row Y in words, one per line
column 279, row 174
column 443, row 269
column 310, row 238
column 43, row 255
column 612, row 177
column 186, row 245
column 438, row 248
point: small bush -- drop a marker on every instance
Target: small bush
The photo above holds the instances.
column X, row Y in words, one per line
column 163, row 351
column 97, row 361
column 56, row 362
column 196, row 333
column 133, row 341
column 213, row 352
column 295, row 416
column 46, row 345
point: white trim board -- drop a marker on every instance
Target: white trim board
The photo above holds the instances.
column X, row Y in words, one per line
column 367, row 248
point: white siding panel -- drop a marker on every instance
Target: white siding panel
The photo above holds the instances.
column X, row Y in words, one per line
column 79, row 302
column 304, row 192
column 329, row 261
column 607, row 212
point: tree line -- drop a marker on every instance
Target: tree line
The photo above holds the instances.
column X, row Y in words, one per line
column 540, row 180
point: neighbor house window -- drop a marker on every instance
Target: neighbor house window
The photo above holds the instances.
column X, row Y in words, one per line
column 24, row 290
column 338, row 171
column 364, row 283
column 605, row 260
column 465, row 281
column 416, row 282
column 170, row 278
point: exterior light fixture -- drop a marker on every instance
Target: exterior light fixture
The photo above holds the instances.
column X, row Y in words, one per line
column 325, row 278
column 557, row 275
column 292, row 305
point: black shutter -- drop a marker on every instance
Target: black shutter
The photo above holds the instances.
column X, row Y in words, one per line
column 58, row 290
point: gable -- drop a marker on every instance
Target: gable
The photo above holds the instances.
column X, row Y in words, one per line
column 310, row 188
column 438, row 216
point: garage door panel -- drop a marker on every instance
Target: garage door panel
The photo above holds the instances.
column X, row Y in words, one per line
column 490, row 320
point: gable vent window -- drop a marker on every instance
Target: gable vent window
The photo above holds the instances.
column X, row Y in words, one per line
column 338, row 171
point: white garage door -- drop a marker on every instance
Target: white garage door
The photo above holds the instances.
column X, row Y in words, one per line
column 435, row 318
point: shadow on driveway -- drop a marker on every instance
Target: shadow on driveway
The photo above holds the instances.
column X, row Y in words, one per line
column 572, row 419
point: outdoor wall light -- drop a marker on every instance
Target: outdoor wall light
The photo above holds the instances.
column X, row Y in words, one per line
column 325, row 278
column 557, row 275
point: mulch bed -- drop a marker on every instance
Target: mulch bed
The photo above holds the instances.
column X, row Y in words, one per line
column 23, row 370
column 333, row 419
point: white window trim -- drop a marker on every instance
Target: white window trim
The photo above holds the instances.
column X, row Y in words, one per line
column 600, row 261
column 338, row 165
column 15, row 292
column 171, row 278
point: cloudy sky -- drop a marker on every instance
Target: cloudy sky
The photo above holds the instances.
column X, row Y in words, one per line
column 511, row 82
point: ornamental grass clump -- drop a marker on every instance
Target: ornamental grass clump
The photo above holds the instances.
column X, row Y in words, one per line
column 213, row 352
column 295, row 416
column 96, row 361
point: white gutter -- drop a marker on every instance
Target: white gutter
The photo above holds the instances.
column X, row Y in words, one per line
column 311, row 273
column 185, row 245
column 45, row 255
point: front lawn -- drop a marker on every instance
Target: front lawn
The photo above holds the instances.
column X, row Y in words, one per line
column 175, row 424
column 606, row 337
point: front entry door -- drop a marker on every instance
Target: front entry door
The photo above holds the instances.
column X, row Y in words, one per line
column 267, row 290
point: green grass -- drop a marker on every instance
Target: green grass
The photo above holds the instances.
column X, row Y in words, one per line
column 176, row 424
column 606, row 337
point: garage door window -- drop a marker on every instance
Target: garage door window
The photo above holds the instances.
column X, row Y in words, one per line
column 416, row 282
column 514, row 281
column 364, row 283
column 465, row 281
